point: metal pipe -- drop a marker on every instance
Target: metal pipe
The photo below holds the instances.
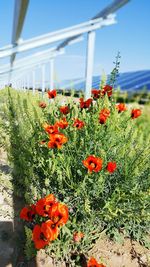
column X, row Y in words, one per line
column 57, row 36
column 52, row 74
column 20, row 10
column 43, row 79
column 29, row 61
column 89, row 63
column 33, row 81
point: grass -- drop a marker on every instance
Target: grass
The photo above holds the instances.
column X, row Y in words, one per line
column 98, row 201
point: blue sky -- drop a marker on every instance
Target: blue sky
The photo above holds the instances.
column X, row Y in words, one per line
column 130, row 36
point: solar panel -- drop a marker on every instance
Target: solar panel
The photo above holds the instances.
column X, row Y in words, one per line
column 130, row 81
column 132, row 77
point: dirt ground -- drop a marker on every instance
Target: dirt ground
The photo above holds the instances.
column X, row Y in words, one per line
column 129, row 254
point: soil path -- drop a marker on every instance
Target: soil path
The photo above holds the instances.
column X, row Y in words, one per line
column 10, row 226
column 127, row 254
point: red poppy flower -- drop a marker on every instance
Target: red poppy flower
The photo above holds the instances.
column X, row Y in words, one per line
column 107, row 89
column 93, row 164
column 42, row 105
column 28, row 213
column 93, row 263
column 59, row 214
column 85, row 104
column 121, row 107
column 64, row 109
column 63, row 124
column 135, row 113
column 42, row 235
column 50, row 129
column 111, row 167
column 102, row 119
column 104, row 114
column 78, row 124
column 77, row 236
column 54, row 229
column 96, row 93
column 57, row 140
column 52, row 94
column 44, row 204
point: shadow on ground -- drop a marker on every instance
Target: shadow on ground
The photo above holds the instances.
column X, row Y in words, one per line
column 11, row 229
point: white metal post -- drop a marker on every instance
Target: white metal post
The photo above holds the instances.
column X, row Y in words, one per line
column 28, row 82
column 21, row 85
column 18, row 84
column 20, row 10
column 33, row 81
column 52, row 74
column 89, row 63
column 14, row 84
column 24, row 85
column 43, row 79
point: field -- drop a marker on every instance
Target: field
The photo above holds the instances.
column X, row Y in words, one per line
column 80, row 176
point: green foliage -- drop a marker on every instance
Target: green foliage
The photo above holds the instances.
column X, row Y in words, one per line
column 115, row 70
column 97, row 201
column 29, row 249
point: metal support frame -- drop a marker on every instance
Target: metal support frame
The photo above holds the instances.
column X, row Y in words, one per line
column 89, row 63
column 52, row 73
column 33, row 81
column 25, row 68
column 28, row 82
column 43, row 79
column 58, row 35
column 31, row 60
column 113, row 7
column 19, row 16
column 24, row 84
column 69, row 35
column 20, row 84
column 86, row 26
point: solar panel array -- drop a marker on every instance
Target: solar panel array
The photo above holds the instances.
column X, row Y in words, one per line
column 128, row 81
